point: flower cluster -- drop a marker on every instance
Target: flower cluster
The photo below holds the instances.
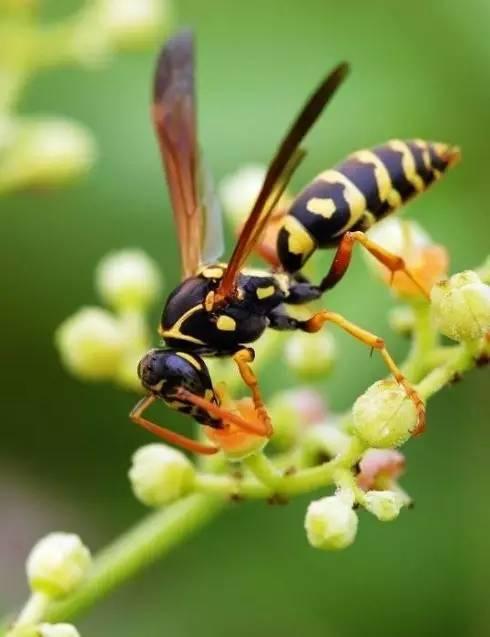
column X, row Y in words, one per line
column 106, row 344
column 47, row 152
column 353, row 457
column 355, row 452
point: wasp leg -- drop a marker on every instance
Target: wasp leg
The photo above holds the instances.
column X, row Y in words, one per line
column 242, row 359
column 316, row 322
column 343, row 257
column 166, row 434
column 225, row 415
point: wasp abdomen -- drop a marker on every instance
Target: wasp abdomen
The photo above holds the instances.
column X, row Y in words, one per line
column 357, row 193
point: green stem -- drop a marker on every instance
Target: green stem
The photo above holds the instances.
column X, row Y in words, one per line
column 263, row 469
column 153, row 537
column 462, row 360
column 270, row 483
column 425, row 340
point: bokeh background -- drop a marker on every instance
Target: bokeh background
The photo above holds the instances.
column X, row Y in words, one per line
column 419, row 69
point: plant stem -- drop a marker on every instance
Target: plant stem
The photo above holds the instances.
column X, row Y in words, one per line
column 462, row 360
column 154, row 536
column 425, row 340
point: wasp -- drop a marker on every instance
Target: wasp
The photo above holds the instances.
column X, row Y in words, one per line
column 221, row 309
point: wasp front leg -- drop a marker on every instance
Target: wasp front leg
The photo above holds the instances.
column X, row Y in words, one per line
column 243, row 358
column 168, row 435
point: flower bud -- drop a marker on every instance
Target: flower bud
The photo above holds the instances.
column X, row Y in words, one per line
column 425, row 260
column 90, row 343
column 58, row 630
column 239, row 190
column 46, row 153
column 132, row 24
column 57, row 564
column 236, row 443
column 461, row 307
column 385, row 505
column 402, row 320
column 128, row 280
column 310, row 356
column 379, row 468
column 291, row 410
column 384, row 416
column 330, row 523
column 322, row 442
column 160, row 474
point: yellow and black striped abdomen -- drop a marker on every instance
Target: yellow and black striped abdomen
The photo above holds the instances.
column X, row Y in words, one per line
column 357, row 193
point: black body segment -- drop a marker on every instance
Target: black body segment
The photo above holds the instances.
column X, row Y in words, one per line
column 187, row 324
column 357, row 193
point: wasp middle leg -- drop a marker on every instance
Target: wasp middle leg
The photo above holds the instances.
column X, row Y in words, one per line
column 281, row 321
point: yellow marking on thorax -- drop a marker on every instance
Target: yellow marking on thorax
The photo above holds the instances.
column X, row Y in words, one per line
column 190, row 359
column 324, row 207
column 386, row 191
column 264, row 293
column 408, row 164
column 212, row 272
column 226, row 323
column 353, row 196
column 299, row 240
column 174, row 331
column 255, row 272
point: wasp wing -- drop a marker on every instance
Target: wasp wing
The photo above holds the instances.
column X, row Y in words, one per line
column 213, row 242
column 174, row 119
column 278, row 174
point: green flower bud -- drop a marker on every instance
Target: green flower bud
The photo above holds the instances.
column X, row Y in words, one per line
column 58, row 630
column 385, row 505
column 461, row 307
column 402, row 320
column 384, row 416
column 310, row 356
column 291, row 411
column 324, row 441
column 160, row 474
column 331, row 523
column 128, row 280
column 57, row 564
column 239, row 190
column 91, row 343
column 46, row 153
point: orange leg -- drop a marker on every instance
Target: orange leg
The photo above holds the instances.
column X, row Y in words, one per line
column 242, row 359
column 225, row 415
column 167, row 434
column 343, row 257
column 316, row 322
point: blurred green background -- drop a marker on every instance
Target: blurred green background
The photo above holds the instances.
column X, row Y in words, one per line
column 420, row 69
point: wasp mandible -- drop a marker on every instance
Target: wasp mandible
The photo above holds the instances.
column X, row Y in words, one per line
column 219, row 309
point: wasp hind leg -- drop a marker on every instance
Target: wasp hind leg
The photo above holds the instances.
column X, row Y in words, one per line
column 316, row 322
column 168, row 435
column 343, row 257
